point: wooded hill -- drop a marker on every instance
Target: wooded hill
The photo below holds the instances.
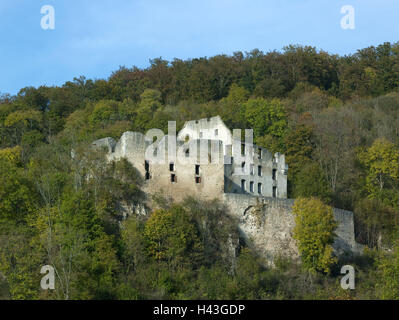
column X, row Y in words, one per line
column 335, row 117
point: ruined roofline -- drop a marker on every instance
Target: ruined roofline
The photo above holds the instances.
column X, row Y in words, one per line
column 205, row 120
column 217, row 120
column 111, row 143
column 135, row 143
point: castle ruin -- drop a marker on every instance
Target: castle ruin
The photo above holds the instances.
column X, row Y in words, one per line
column 207, row 161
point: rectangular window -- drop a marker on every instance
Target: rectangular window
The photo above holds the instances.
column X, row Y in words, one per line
column 274, row 174
column 216, row 132
column 197, row 169
column 197, row 180
column 147, row 169
column 243, row 185
column 252, row 170
column 259, row 188
column 201, row 135
column 259, row 171
column 171, row 166
column 173, row 178
column 274, row 192
column 251, row 186
column 259, row 153
column 243, row 148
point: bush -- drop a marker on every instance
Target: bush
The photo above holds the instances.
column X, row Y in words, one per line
column 314, row 232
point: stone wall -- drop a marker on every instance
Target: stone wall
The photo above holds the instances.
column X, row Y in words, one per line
column 259, row 172
column 253, row 157
column 267, row 223
column 157, row 175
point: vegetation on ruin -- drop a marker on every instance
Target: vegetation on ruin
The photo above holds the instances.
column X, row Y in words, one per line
column 314, row 232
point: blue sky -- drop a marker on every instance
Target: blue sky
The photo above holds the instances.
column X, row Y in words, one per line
column 95, row 37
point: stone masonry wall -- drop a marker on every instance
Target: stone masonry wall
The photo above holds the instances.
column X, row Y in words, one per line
column 133, row 146
column 267, row 223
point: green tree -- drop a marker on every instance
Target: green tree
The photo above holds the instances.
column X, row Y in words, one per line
column 11, row 155
column 171, row 236
column 217, row 229
column 311, row 182
column 17, row 193
column 299, row 147
column 20, row 261
column 268, row 119
column 104, row 112
column 388, row 270
column 381, row 162
column 133, row 244
column 314, row 232
column 19, row 122
column 149, row 104
column 231, row 106
column 375, row 222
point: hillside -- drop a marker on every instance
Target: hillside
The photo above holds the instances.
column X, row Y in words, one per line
column 335, row 118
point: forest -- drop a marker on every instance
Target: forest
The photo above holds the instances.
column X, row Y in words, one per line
column 336, row 118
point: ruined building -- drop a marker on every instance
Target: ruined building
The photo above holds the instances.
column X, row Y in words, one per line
column 223, row 167
column 205, row 159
